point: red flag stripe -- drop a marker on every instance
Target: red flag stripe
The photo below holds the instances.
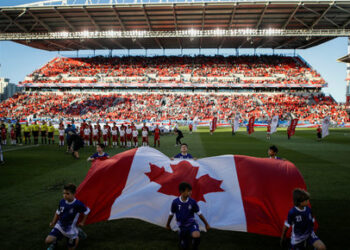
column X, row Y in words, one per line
column 105, row 182
column 266, row 188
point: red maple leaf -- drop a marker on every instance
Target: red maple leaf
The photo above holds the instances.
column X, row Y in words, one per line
column 183, row 172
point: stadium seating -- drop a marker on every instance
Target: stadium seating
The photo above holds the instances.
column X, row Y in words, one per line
column 280, row 71
column 170, row 106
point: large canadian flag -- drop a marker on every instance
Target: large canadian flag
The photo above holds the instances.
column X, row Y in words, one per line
column 234, row 192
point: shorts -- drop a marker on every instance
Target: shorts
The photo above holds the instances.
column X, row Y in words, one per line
column 57, row 233
column 115, row 138
column 319, row 135
column 144, row 139
column 43, row 133
column 26, row 134
column 35, row 133
column 61, row 138
column 105, row 137
column 135, row 139
column 189, row 230
column 50, row 135
column 309, row 241
column 86, row 137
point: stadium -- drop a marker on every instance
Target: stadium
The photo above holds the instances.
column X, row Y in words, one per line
column 163, row 86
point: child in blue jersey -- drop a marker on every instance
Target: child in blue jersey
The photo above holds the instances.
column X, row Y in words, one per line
column 65, row 219
column 184, row 209
column 100, row 154
column 184, row 153
column 302, row 222
column 272, row 152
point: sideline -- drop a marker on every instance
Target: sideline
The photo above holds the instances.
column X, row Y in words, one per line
column 19, row 148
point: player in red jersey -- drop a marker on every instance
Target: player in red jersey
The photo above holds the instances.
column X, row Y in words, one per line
column 3, row 134
column 82, row 127
column 95, row 136
column 157, row 136
column 190, row 127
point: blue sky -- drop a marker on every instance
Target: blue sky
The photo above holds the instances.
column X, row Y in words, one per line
column 17, row 60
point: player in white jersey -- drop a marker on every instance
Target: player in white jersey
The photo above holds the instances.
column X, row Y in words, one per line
column 144, row 137
column 61, row 136
column 87, row 135
column 135, row 135
column 122, row 136
column 105, row 136
column 95, row 135
column 128, row 132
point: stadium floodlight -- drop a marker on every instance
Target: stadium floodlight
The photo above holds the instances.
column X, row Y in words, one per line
column 219, row 32
column 85, row 34
column 192, row 32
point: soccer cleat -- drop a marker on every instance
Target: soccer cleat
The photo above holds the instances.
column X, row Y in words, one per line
column 82, row 235
column 52, row 246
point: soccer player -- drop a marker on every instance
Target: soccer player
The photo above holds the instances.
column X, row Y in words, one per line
column 105, row 135
column 61, row 135
column 27, row 129
column 268, row 131
column 95, row 135
column 122, row 136
column 272, row 152
column 319, row 133
column 43, row 131
column 51, row 133
column 211, row 128
column 179, row 136
column 13, row 135
column 190, row 127
column 18, row 132
column 144, row 136
column 100, row 154
column 184, row 208
column 135, row 135
column 157, row 136
column 114, row 133
column 184, row 153
column 65, row 219
column 35, row 129
column 87, row 135
column 128, row 132
column 3, row 134
column 302, row 222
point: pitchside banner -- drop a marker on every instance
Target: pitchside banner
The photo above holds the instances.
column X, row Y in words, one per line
column 274, row 124
column 251, row 125
column 325, row 126
column 234, row 192
column 214, row 123
column 293, row 125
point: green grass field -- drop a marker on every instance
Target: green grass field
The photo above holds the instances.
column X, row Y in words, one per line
column 31, row 185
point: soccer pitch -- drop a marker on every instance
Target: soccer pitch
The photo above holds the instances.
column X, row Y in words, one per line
column 32, row 179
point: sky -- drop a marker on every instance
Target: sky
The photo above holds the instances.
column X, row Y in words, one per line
column 17, row 60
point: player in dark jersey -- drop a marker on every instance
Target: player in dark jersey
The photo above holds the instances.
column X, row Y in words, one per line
column 64, row 222
column 184, row 208
column 302, row 222
column 319, row 133
column 179, row 136
column 100, row 154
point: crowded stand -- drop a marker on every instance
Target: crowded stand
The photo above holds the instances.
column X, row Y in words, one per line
column 168, row 106
column 172, row 71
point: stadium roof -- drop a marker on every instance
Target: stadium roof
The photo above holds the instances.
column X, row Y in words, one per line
column 344, row 59
column 110, row 24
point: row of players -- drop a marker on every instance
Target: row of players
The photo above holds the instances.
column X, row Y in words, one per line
column 124, row 135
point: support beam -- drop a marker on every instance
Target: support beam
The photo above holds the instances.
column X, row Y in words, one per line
column 229, row 24
column 318, row 14
column 59, row 45
column 290, row 17
column 310, row 43
column 261, row 16
column 91, row 19
column 346, row 24
column 64, row 19
column 175, row 22
column 321, row 16
column 14, row 21
column 267, row 40
column 117, row 16
column 39, row 21
column 116, row 42
column 302, row 22
column 281, row 46
column 150, row 27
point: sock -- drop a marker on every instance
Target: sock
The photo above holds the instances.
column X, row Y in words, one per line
column 195, row 243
